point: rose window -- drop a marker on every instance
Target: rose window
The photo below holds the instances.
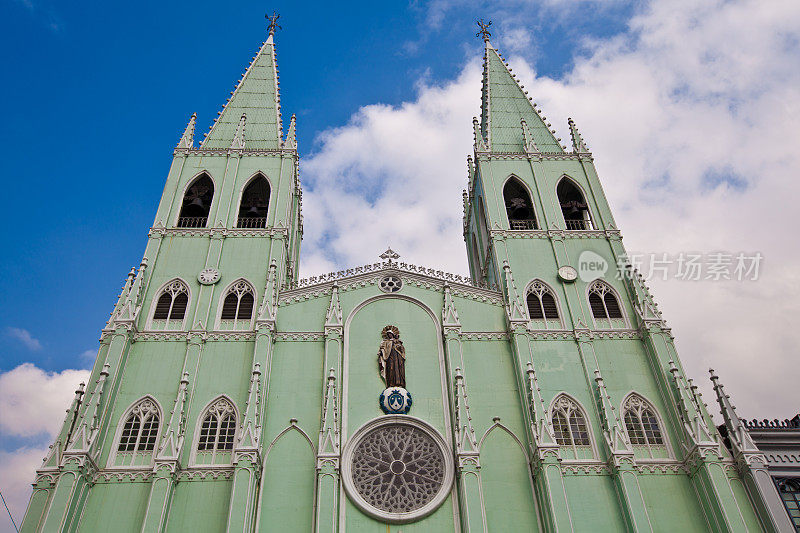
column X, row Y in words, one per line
column 398, row 471
column 391, row 284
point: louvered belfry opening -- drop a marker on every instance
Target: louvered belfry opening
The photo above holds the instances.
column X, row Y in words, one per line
column 543, row 306
column 197, row 203
column 255, row 204
column 573, row 206
column 171, row 306
column 519, row 207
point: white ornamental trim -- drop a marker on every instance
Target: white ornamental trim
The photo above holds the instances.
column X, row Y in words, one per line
column 396, row 518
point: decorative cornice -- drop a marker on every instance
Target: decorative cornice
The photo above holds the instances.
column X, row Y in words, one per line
column 393, row 266
column 185, row 335
column 484, row 335
column 300, row 336
column 361, row 277
column 542, row 156
column 556, row 234
column 159, row 232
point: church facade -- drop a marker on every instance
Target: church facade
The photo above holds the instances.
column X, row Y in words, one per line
column 541, row 393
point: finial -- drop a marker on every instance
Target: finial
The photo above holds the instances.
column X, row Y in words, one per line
column 273, row 22
column 389, row 254
column 484, row 29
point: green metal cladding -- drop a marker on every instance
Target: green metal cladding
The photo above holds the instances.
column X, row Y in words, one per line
column 298, row 377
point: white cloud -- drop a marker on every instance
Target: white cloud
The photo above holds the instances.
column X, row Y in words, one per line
column 692, row 90
column 25, row 337
column 32, row 401
column 18, row 469
column 32, row 407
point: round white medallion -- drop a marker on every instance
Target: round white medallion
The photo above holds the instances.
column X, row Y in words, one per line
column 208, row 276
column 397, row 469
column 391, row 284
column 567, row 273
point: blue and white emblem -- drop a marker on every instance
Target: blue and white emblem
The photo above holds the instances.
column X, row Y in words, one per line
column 395, row 401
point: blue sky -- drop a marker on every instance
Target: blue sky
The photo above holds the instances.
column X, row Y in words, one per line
column 98, row 94
column 690, row 108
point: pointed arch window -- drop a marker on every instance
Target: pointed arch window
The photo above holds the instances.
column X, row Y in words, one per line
column 237, row 306
column 139, row 434
column 542, row 306
column 170, row 309
column 571, row 429
column 643, row 428
column 605, row 307
column 197, row 203
column 255, row 204
column 789, row 489
column 573, row 206
column 477, row 257
column 483, row 225
column 519, row 207
column 217, row 433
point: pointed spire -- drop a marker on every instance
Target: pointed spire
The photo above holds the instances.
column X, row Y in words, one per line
column 616, row 438
column 53, row 457
column 333, row 318
column 132, row 302
column 528, row 142
column 689, row 409
column 251, row 424
column 172, row 439
column 257, row 95
column 187, row 139
column 504, row 104
column 578, row 146
column 514, row 308
column 542, row 427
column 449, row 311
column 478, row 139
column 737, row 431
column 291, row 136
column 269, row 303
column 328, row 443
column 123, row 295
column 238, row 137
column 465, row 433
column 84, row 437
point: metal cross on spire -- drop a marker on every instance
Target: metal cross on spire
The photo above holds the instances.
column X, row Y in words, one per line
column 273, row 22
column 484, row 29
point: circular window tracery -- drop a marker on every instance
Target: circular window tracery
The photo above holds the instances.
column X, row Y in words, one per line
column 397, row 468
column 391, row 284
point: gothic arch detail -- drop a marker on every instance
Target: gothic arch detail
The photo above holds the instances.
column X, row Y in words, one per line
column 215, row 434
column 644, row 427
column 519, row 206
column 542, row 306
column 254, row 203
column 137, row 434
column 573, row 205
column 606, row 306
column 236, row 309
column 170, row 306
column 572, row 430
column 196, row 204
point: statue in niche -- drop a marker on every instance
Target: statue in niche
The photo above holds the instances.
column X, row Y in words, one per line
column 392, row 358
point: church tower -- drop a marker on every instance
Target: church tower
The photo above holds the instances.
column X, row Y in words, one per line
column 542, row 393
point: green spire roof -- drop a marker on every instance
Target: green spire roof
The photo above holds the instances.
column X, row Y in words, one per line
column 505, row 106
column 256, row 96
